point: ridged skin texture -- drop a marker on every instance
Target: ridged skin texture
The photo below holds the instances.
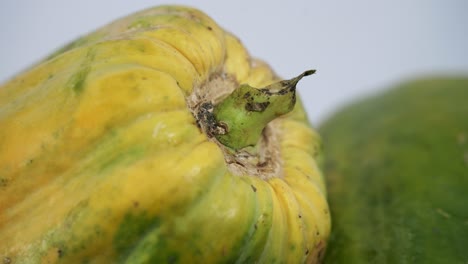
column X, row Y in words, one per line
column 102, row 161
column 397, row 173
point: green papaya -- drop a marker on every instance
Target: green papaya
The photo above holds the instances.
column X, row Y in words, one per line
column 396, row 165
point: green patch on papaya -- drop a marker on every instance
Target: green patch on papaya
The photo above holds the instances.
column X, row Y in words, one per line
column 77, row 81
column 250, row 247
column 144, row 239
column 132, row 228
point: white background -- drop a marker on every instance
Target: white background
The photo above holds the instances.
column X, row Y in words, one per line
column 357, row 46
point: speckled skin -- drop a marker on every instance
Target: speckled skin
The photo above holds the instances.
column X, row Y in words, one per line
column 102, row 160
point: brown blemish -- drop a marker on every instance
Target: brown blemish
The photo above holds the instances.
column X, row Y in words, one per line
column 206, row 119
column 321, row 254
column 253, row 188
column 256, row 107
column 317, row 254
column 59, row 252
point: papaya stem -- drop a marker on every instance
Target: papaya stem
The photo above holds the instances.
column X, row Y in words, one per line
column 242, row 115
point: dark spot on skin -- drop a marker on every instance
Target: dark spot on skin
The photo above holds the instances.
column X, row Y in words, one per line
column 209, row 28
column 307, row 251
column 207, row 120
column 172, row 259
column 300, row 216
column 253, row 188
column 136, row 204
column 266, row 91
column 131, row 228
column 284, row 91
column 238, row 163
column 6, row 260
column 255, row 226
column 60, row 253
column 256, row 107
column 205, row 116
column 318, row 233
column 197, row 124
column 3, row 182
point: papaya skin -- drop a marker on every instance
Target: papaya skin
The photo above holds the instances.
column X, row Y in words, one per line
column 397, row 175
column 103, row 160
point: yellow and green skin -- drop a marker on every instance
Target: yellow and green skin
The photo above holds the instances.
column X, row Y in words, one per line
column 103, row 160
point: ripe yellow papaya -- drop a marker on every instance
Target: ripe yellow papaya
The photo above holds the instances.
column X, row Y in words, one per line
column 145, row 142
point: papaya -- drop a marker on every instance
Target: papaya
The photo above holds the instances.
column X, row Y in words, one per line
column 396, row 166
column 158, row 139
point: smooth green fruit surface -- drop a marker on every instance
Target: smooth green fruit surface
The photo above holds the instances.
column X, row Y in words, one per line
column 397, row 171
